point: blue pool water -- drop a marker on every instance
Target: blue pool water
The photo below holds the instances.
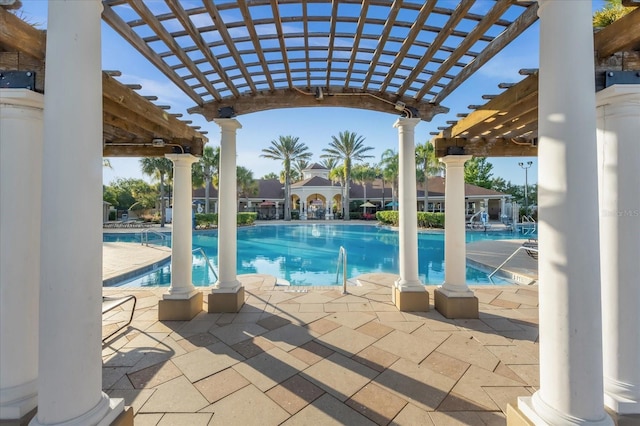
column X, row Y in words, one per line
column 307, row 254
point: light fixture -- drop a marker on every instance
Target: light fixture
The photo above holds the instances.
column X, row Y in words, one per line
column 157, row 142
column 319, row 95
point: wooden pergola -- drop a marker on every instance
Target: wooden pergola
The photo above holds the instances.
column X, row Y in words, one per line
column 507, row 125
column 401, row 57
column 133, row 126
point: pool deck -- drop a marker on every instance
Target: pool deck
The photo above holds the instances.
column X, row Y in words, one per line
column 315, row 356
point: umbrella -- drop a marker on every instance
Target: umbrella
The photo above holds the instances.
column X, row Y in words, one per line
column 367, row 204
column 392, row 204
column 267, row 204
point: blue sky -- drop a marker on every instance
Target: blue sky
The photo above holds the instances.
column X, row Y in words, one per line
column 314, row 126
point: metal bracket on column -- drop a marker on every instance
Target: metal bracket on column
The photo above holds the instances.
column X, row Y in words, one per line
column 621, row 77
column 18, row 80
column 455, row 150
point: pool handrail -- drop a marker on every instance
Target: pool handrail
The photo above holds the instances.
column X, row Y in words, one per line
column 144, row 236
column 342, row 254
column 527, row 247
column 206, row 258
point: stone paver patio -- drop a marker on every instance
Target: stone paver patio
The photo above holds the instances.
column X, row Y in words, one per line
column 317, row 357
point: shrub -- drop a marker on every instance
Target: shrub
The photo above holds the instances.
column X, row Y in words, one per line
column 388, row 217
column 247, row 218
column 295, row 215
column 206, row 220
column 355, row 215
column 425, row 220
column 430, row 220
column 210, row 220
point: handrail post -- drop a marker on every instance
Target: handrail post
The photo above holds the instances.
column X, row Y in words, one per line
column 344, row 270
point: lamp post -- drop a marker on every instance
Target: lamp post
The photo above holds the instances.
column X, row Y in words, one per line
column 526, row 184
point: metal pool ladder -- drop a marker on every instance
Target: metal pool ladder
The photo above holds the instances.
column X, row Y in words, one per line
column 342, row 255
column 206, row 258
column 144, row 236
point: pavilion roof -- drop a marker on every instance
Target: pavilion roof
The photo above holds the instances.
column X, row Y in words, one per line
column 402, row 57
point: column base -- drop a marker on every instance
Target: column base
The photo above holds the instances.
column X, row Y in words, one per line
column 17, row 402
column 411, row 301
column 528, row 412
column 125, row 418
column 226, row 301
column 624, row 419
column 18, row 421
column 180, row 309
column 515, row 417
column 106, row 413
column 456, row 307
column 621, row 397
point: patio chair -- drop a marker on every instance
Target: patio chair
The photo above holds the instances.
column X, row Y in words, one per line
column 110, row 303
column 531, row 243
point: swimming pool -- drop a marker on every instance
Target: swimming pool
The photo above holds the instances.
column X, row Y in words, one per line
column 307, row 254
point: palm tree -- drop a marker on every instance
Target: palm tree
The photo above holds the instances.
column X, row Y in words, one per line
column 246, row 185
column 363, row 174
column 336, row 175
column 287, row 149
column 427, row 164
column 158, row 168
column 299, row 166
column 390, row 171
column 348, row 147
column 329, row 163
column 209, row 165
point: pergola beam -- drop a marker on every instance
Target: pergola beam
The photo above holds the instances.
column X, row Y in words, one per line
column 624, row 34
column 485, row 148
column 16, row 35
column 262, row 101
column 501, row 103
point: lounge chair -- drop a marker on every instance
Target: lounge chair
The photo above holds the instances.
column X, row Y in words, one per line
column 111, row 303
column 532, row 244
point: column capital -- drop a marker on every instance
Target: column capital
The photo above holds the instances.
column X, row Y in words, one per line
column 228, row 123
column 21, row 97
column 455, row 160
column 182, row 159
column 618, row 93
column 403, row 122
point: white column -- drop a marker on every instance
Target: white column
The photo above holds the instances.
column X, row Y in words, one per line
column 407, row 211
column 181, row 234
column 455, row 249
column 571, row 384
column 70, row 367
column 21, row 112
column 619, row 184
column 227, row 217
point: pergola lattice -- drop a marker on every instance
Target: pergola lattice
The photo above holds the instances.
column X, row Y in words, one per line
column 241, row 57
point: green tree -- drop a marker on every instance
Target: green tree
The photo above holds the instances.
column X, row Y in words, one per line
column 611, row 12
column 427, row 164
column 126, row 193
column 110, row 195
column 287, row 149
column 363, row 174
column 477, row 171
column 389, row 163
column 348, row 147
column 299, row 166
column 158, row 168
column 336, row 175
column 329, row 163
column 246, row 185
column 270, row 175
column 208, row 166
